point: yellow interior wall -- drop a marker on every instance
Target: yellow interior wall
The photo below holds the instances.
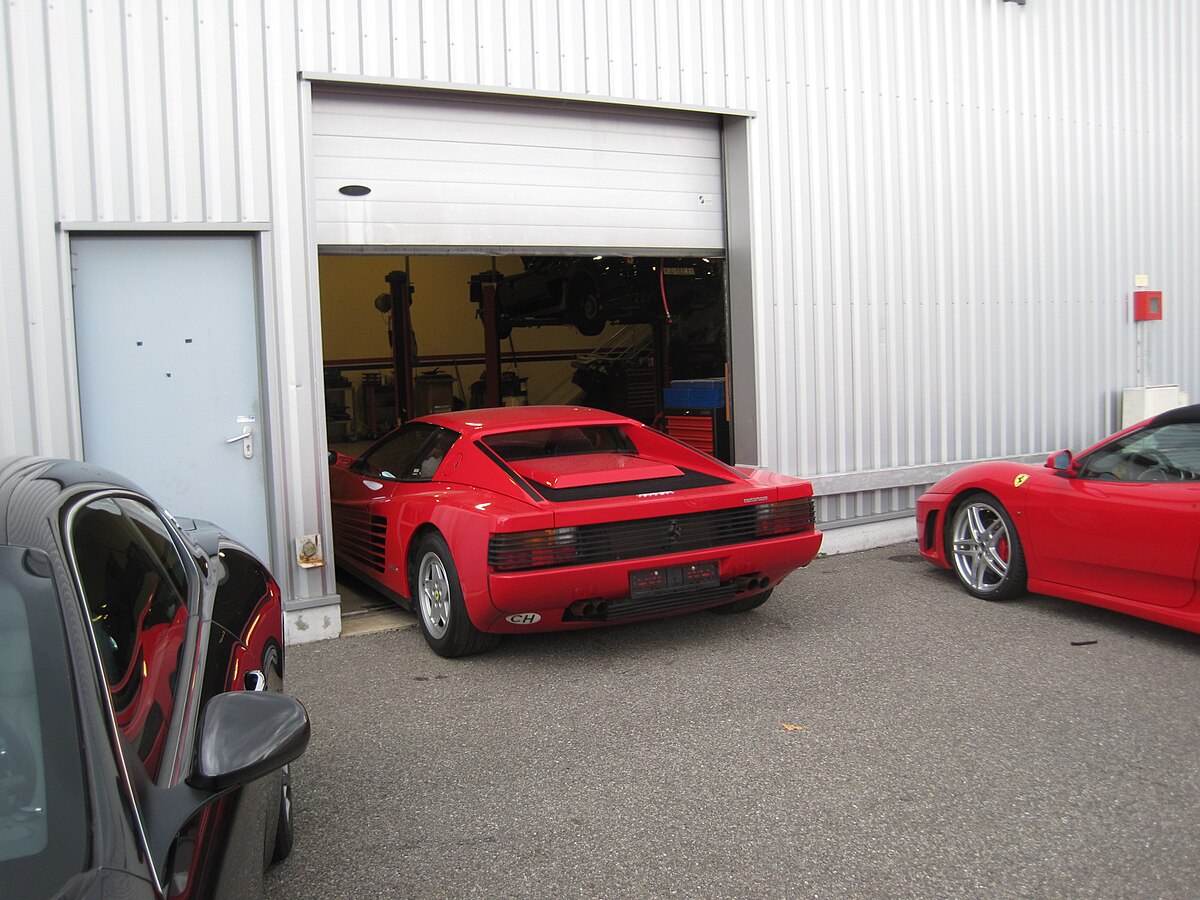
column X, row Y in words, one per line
column 443, row 317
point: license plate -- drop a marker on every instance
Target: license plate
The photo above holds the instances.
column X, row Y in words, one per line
column 668, row 579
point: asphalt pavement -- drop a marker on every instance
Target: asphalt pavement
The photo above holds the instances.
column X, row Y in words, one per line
column 872, row 731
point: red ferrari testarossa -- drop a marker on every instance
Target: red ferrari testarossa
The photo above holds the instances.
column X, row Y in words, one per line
column 497, row 521
column 1117, row 525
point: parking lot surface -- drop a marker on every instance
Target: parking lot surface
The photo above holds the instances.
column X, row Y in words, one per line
column 872, row 731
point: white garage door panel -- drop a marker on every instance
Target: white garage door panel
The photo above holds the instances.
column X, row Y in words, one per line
column 393, row 201
column 514, row 173
column 336, row 159
column 520, row 123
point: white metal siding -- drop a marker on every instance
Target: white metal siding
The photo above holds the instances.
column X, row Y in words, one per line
column 949, row 198
column 486, row 172
column 961, row 197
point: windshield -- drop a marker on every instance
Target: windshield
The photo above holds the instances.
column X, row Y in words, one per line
column 43, row 824
column 1157, row 453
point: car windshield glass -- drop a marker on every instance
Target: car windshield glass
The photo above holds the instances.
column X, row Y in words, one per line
column 1163, row 453
column 43, row 816
column 564, row 441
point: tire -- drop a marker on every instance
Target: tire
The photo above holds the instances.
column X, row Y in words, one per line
column 439, row 602
column 585, row 307
column 279, row 847
column 984, row 549
column 285, row 830
column 743, row 604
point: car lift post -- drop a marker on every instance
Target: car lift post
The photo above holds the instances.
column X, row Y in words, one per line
column 483, row 290
column 662, row 356
column 402, row 344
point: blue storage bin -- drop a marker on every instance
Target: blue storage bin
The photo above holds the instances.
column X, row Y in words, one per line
column 695, row 393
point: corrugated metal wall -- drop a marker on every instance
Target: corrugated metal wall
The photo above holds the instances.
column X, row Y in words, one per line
column 968, row 190
column 951, row 198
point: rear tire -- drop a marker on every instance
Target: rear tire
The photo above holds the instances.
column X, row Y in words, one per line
column 440, row 608
column 984, row 549
column 744, row 604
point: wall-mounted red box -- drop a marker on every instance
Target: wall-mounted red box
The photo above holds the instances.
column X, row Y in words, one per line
column 1147, row 306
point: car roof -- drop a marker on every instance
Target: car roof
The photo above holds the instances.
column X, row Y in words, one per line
column 518, row 418
column 33, row 487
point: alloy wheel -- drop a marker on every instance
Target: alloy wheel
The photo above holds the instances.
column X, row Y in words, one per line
column 981, row 546
column 434, row 589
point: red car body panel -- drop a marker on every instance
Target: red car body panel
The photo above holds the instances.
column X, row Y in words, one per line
column 1129, row 546
column 474, row 495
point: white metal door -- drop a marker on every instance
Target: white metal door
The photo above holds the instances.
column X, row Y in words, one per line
column 166, row 332
column 427, row 170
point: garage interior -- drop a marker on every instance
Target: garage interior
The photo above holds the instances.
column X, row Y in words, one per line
column 644, row 336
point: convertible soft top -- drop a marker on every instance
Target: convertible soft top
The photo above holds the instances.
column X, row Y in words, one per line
column 1179, row 415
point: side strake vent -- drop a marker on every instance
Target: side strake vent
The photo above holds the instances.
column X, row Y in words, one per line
column 639, row 538
column 360, row 537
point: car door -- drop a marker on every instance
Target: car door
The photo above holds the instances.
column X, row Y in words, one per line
column 143, row 595
column 1126, row 521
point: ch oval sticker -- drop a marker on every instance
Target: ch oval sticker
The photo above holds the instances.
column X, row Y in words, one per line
column 1020, row 479
column 523, row 618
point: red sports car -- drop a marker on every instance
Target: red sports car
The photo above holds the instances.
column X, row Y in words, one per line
column 497, row 521
column 1117, row 526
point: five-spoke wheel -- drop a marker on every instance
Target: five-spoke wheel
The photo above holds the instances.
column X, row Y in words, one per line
column 433, row 592
column 439, row 601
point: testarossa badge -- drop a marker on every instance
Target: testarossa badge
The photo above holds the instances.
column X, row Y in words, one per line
column 1020, row 480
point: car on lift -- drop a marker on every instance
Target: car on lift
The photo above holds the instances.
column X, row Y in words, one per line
column 144, row 736
column 1114, row 526
column 589, row 292
column 521, row 519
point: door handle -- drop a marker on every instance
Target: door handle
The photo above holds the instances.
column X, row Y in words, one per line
column 247, row 439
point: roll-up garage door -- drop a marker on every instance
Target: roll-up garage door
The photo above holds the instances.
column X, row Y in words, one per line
column 428, row 170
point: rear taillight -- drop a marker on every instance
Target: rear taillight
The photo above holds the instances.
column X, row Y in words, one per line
column 540, row 549
column 787, row 517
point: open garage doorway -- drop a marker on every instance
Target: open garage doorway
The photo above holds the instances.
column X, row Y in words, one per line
column 643, row 336
column 614, row 333
column 600, row 279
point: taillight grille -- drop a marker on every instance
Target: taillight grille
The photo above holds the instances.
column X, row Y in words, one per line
column 640, row 538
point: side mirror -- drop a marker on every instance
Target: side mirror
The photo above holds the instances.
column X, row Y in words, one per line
column 341, row 459
column 243, row 736
column 1062, row 461
column 246, row 735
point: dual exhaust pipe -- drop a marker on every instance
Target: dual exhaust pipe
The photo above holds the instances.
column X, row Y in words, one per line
column 752, row 582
